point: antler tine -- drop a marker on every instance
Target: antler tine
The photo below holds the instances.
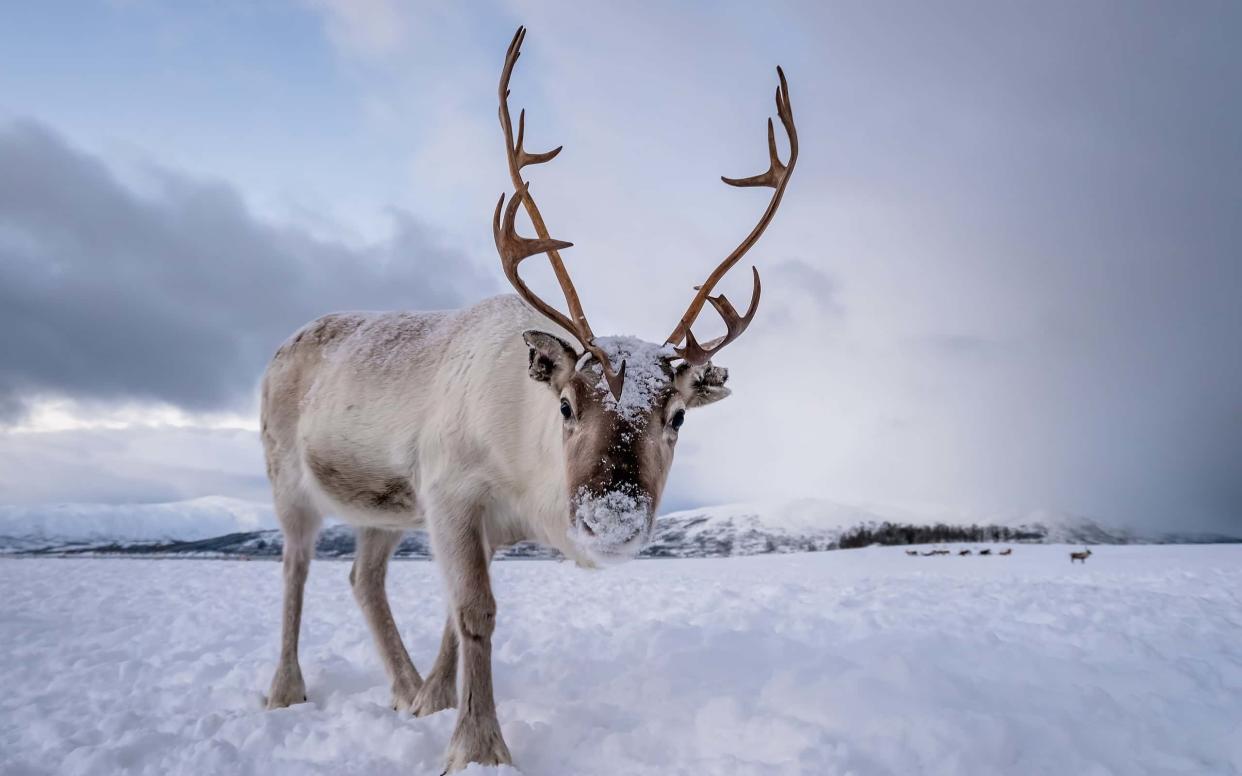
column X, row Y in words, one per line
column 777, row 177
column 523, row 156
column 519, row 157
column 775, row 172
column 696, row 354
column 514, row 248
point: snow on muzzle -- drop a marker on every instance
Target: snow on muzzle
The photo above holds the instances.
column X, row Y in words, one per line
column 611, row 527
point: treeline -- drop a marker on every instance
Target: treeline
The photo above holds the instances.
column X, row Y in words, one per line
column 903, row 533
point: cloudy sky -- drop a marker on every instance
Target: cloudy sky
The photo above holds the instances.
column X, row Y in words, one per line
column 1006, row 276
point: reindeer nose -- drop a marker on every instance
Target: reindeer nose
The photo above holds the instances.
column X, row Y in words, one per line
column 617, row 531
column 622, row 465
column 612, row 517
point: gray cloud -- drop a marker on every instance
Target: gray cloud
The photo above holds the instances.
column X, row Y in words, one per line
column 179, row 296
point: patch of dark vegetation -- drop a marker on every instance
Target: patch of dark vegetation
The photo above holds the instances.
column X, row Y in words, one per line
column 904, row 533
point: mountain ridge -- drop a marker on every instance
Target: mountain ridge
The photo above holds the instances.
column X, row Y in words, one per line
column 223, row 527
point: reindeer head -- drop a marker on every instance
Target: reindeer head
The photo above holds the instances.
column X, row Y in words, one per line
column 618, row 450
column 622, row 401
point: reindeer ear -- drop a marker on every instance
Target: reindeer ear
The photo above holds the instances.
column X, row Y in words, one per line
column 701, row 385
column 552, row 359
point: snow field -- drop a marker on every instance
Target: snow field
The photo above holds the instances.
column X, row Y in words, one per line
column 854, row 662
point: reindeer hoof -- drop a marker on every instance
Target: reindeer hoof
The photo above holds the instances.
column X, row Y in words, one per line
column 287, row 688
column 280, row 698
column 404, row 695
column 435, row 695
column 477, row 741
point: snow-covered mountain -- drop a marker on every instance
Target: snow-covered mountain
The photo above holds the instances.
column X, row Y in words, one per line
column 222, row 527
column 56, row 525
column 818, row 524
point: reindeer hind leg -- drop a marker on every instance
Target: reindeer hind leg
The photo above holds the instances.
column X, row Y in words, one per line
column 375, row 547
column 439, row 691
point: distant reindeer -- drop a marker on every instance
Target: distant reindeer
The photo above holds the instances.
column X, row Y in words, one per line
column 985, row 552
column 1080, row 556
column 929, row 553
column 912, row 552
column 485, row 426
column 940, row 552
column 964, row 552
column 1006, row 551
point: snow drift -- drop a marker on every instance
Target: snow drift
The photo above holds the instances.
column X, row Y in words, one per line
column 864, row 662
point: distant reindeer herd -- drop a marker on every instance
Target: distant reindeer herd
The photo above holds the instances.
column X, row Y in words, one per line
column 1074, row 556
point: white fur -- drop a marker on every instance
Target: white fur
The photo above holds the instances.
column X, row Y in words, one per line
column 445, row 397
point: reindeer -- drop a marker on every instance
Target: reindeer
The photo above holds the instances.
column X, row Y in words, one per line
column 985, row 552
column 912, row 552
column 1006, row 551
column 1080, row 556
column 963, row 553
column 486, row 426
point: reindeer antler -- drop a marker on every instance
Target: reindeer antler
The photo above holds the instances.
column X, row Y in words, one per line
column 513, row 248
column 777, row 177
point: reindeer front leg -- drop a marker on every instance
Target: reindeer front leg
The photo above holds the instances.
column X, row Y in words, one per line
column 463, row 556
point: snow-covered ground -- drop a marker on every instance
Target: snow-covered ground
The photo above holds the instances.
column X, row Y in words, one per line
column 859, row 662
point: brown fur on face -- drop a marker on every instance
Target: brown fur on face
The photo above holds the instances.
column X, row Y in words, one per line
column 606, row 453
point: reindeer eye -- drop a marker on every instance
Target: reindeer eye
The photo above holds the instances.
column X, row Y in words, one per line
column 567, row 412
column 679, row 417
